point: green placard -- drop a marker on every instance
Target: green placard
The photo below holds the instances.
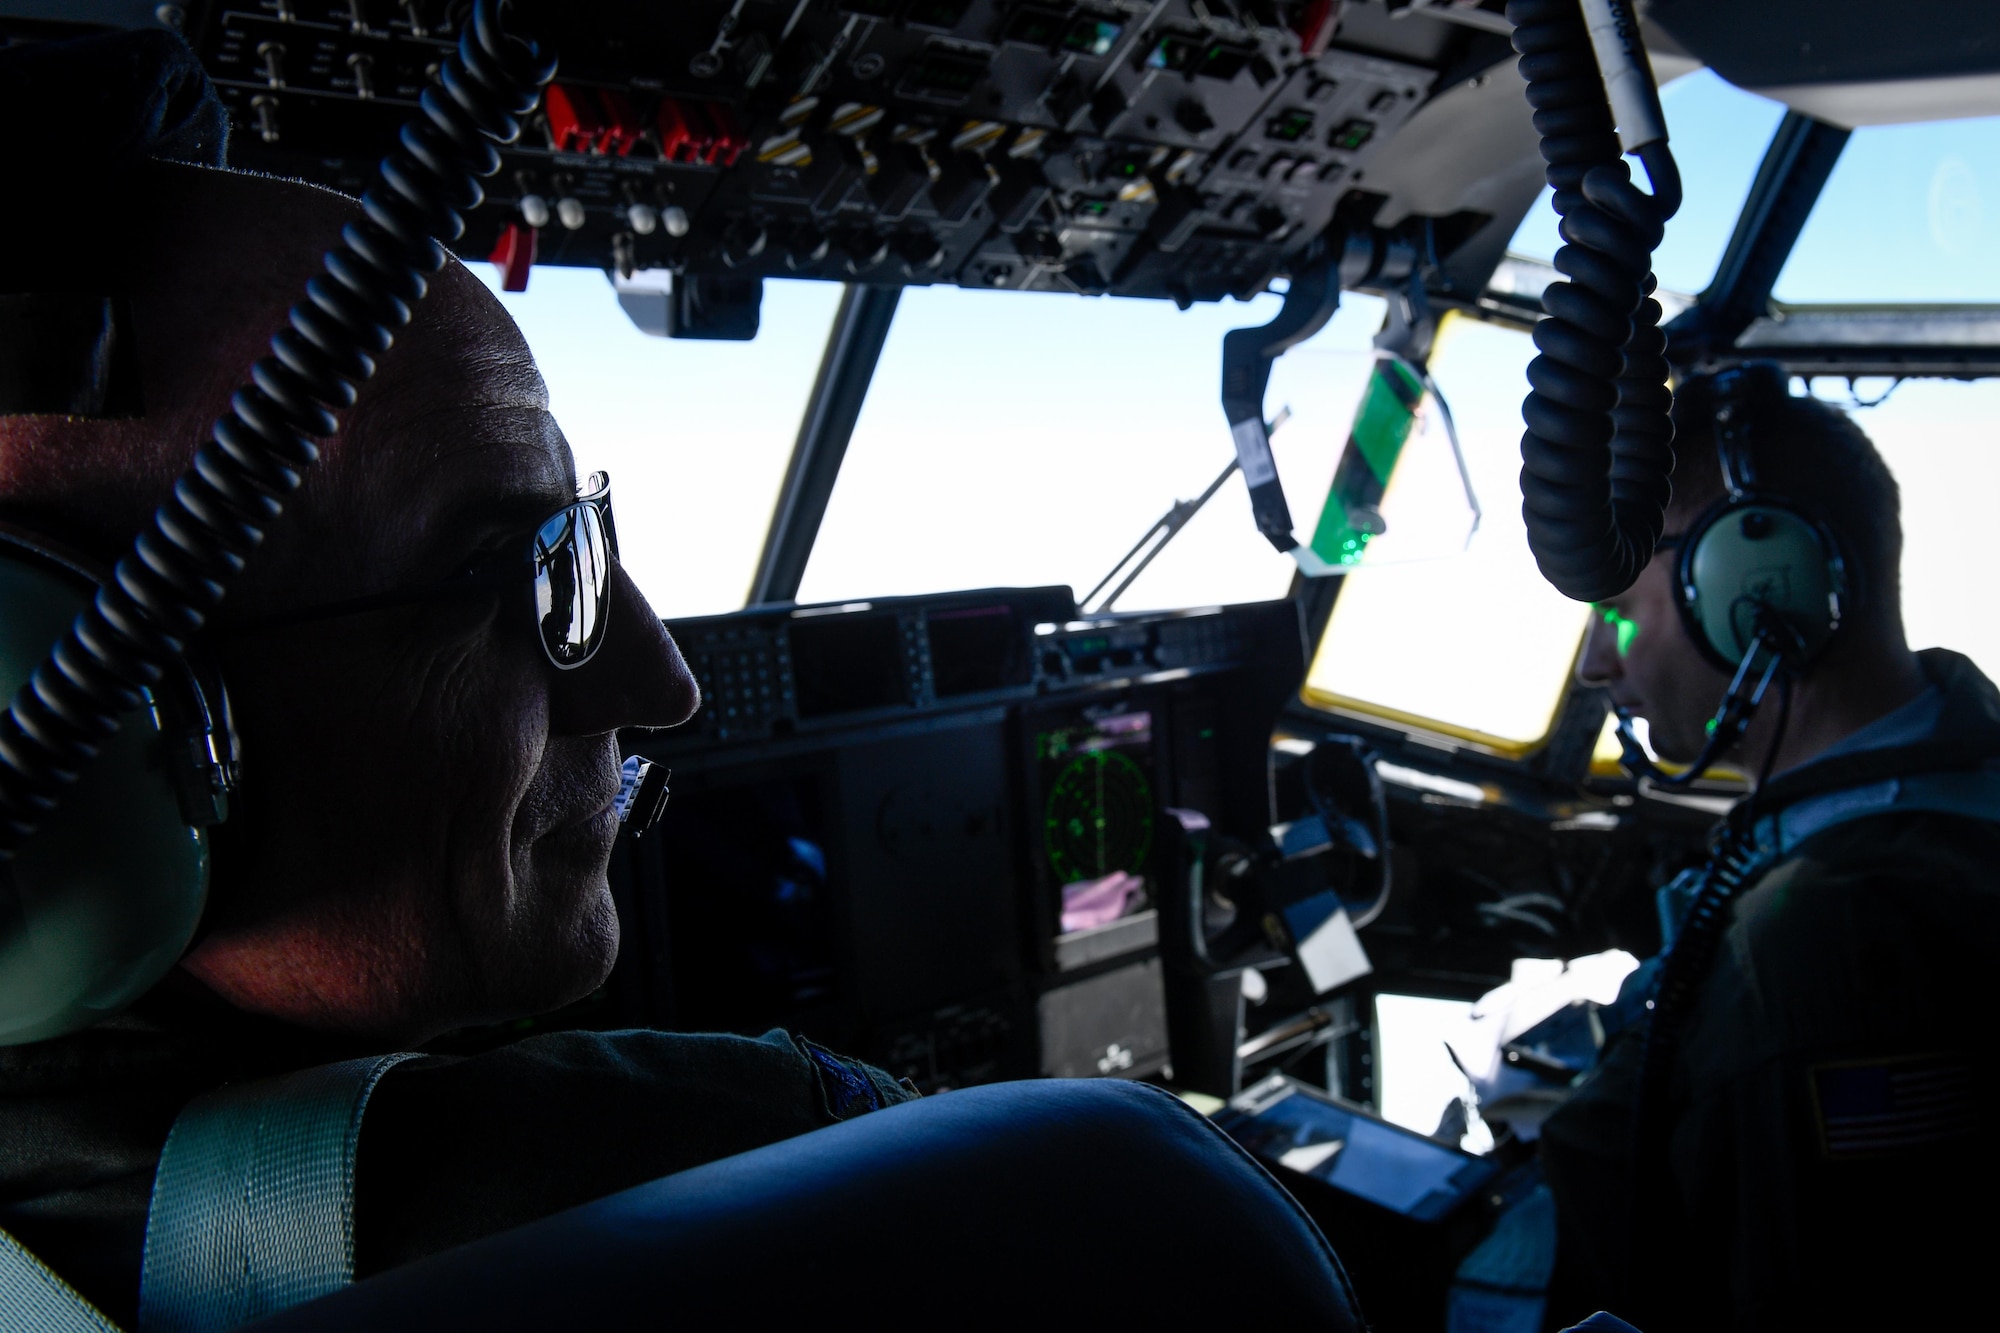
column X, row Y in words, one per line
column 1351, row 515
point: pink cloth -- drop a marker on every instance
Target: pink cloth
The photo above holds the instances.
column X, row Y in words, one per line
column 1097, row 902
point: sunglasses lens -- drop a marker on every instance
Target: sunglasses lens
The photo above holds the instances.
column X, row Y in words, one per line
column 572, row 583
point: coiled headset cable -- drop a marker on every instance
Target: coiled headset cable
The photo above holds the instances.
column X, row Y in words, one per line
column 1736, row 861
column 1598, row 452
column 181, row 566
column 1658, row 1218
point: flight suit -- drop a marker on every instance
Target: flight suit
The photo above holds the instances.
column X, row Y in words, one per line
column 453, row 1147
column 1824, row 1166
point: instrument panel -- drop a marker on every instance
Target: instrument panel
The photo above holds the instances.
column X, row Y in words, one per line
column 933, row 830
column 773, row 673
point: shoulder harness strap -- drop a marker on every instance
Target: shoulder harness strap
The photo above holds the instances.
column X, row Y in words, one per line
column 253, row 1203
column 1974, row 794
column 35, row 1300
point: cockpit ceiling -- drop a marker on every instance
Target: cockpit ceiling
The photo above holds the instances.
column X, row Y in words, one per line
column 1160, row 148
column 1847, row 62
column 1182, row 149
column 1783, row 45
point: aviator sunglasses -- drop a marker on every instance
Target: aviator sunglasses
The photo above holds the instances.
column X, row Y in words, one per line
column 568, row 559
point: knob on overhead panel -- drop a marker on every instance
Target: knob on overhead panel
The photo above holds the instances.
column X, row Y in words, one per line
column 1039, row 244
column 363, row 67
column 807, row 248
column 266, row 109
column 534, row 205
column 742, row 241
column 864, row 250
column 1192, row 116
column 919, row 251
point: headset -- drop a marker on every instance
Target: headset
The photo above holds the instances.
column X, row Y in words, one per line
column 1762, row 585
column 109, row 892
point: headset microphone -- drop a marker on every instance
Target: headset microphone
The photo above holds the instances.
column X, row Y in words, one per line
column 1761, row 584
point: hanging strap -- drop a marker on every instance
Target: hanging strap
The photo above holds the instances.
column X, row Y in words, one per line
column 253, row 1204
column 35, row 1300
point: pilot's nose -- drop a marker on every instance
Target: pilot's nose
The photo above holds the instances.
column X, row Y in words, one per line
column 637, row 678
column 1600, row 663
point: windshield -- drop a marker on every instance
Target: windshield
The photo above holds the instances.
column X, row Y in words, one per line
column 1719, row 136
column 1476, row 645
column 1936, row 436
column 1013, row 438
column 1911, row 213
column 695, row 435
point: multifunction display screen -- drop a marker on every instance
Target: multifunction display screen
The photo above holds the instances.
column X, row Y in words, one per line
column 975, row 649
column 848, row 663
column 1098, row 813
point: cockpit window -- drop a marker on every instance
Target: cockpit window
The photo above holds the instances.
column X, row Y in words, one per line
column 1019, row 439
column 1719, row 135
column 1910, row 214
column 1477, row 646
column 1937, row 438
column 697, row 434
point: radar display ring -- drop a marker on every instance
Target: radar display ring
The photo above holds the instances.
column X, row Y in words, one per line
column 1099, row 817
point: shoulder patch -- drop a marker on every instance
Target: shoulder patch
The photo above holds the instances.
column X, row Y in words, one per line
column 1870, row 1108
column 845, row 1087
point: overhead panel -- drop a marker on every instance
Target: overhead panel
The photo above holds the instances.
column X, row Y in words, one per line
column 1163, row 148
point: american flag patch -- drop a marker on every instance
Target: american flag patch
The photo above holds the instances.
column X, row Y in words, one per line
column 1893, row 1105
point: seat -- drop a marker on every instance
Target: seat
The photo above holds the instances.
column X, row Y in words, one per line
column 1018, row 1204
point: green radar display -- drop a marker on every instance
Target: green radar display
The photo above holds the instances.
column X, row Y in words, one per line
column 1099, row 815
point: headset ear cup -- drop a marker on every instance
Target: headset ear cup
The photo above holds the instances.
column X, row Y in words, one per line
column 1753, row 555
column 1687, row 590
column 103, row 900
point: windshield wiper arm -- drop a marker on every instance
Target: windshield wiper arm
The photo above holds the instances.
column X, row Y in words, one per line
column 1166, row 528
